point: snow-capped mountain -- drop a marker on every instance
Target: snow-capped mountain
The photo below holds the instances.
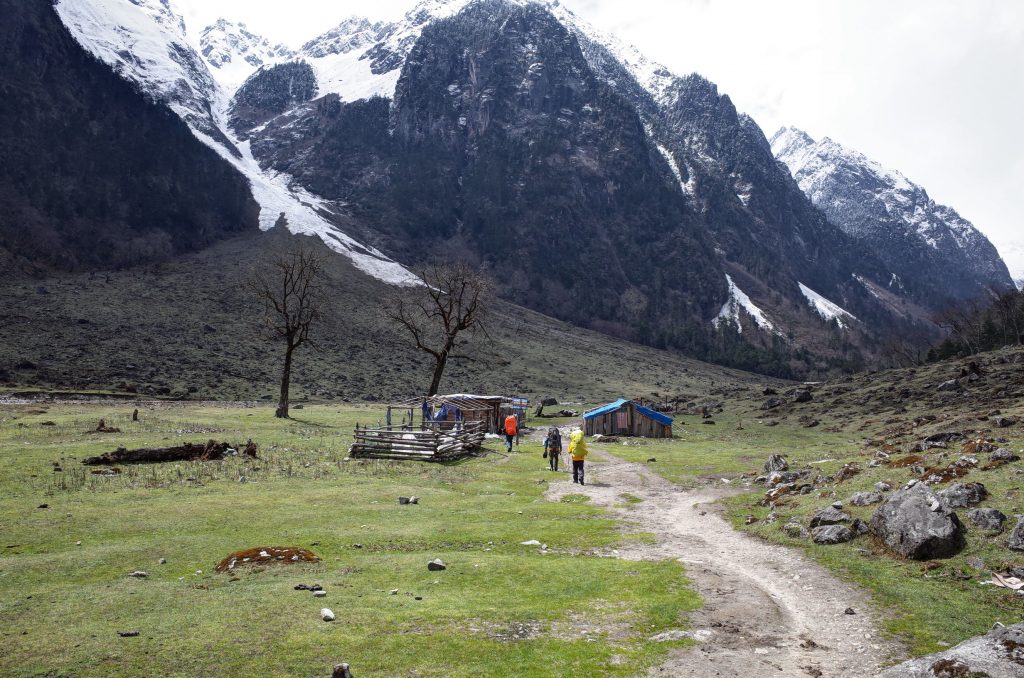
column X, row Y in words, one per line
column 938, row 254
column 233, row 52
column 599, row 186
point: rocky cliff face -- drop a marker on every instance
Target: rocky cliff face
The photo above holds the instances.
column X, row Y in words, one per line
column 92, row 173
column 937, row 255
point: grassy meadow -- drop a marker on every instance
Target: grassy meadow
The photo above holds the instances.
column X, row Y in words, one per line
column 500, row 608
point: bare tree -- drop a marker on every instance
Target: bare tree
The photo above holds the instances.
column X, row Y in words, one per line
column 291, row 288
column 453, row 300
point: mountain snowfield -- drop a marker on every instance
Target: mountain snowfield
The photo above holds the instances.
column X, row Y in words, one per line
column 882, row 207
column 146, row 42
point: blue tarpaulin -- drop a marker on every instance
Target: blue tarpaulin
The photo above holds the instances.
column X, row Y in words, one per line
column 646, row 411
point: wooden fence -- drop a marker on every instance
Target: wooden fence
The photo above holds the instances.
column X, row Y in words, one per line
column 434, row 443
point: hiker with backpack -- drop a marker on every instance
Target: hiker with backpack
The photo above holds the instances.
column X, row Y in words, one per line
column 511, row 431
column 578, row 452
column 553, row 447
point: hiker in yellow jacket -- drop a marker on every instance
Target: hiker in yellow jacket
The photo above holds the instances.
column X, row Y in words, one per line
column 578, row 451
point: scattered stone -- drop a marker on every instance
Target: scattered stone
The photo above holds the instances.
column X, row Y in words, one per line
column 780, row 478
column 794, row 530
column 128, row 634
column 1003, row 454
column 43, row 506
column 319, row 594
column 162, row 561
column 771, row 518
column 341, row 671
column 436, row 565
column 776, row 463
column 750, row 519
column 849, row 610
column 327, row 615
column 915, row 524
column 393, row 592
column 316, row 587
column 772, row 403
column 141, row 574
column 531, row 542
column 1016, row 541
column 883, row 487
column 1005, row 422
column 838, row 505
column 997, row 653
column 651, row 460
column 949, row 386
column 962, row 495
column 803, row 397
column 403, row 500
column 859, row 527
column 302, row 587
column 829, row 516
column 987, row 519
column 866, row 498
column 414, row 500
column 831, row 534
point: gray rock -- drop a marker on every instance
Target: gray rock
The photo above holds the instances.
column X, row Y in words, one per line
column 1003, row 454
column 775, row 463
column 859, row 527
column 949, row 386
column 1016, row 541
column 915, row 524
column 326, row 614
column 832, row 534
column 140, row 574
column 772, row 403
column 962, row 495
column 319, row 594
column 436, row 565
column 795, row 530
column 780, row 478
column 803, row 397
column 829, row 516
column 997, row 654
column 866, row 498
column 1005, row 422
column 883, row 487
column 987, row 519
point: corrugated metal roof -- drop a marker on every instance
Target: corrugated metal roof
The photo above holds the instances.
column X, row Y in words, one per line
column 646, row 411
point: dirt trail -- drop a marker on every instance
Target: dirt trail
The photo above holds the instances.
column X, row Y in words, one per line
column 768, row 610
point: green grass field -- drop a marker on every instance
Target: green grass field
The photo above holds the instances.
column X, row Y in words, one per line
column 499, row 609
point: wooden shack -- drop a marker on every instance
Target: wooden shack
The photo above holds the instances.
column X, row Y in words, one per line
column 435, row 428
column 627, row 418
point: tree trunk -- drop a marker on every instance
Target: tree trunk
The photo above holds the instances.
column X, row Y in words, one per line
column 286, row 378
column 439, row 365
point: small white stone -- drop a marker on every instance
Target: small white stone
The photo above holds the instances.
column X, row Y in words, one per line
column 327, row 615
column 319, row 594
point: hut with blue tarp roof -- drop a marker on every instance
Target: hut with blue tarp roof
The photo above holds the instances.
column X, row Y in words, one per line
column 627, row 418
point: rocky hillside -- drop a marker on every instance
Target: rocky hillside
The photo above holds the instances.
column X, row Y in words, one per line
column 939, row 256
column 93, row 173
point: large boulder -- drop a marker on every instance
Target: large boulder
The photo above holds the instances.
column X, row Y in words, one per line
column 987, row 519
column 776, row 463
column 830, row 516
column 962, row 495
column 1003, row 454
column 772, row 403
column 832, row 534
column 803, row 396
column 916, row 524
column 999, row 654
column 1016, row 541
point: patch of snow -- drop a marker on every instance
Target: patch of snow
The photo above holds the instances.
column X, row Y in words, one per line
column 739, row 302
column 825, row 308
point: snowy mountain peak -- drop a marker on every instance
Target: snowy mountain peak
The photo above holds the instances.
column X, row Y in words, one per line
column 890, row 213
column 235, row 52
column 351, row 34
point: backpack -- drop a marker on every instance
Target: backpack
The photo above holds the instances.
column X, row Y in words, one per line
column 511, row 425
column 555, row 439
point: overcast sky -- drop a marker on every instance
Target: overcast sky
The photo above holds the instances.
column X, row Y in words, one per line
column 933, row 88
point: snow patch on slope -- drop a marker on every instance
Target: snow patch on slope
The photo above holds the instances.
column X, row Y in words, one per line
column 145, row 42
column 737, row 303
column 825, row 308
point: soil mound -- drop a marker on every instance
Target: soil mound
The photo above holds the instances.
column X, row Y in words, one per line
column 188, row 452
column 263, row 555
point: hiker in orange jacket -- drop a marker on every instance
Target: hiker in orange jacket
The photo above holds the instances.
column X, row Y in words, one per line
column 511, row 429
column 578, row 451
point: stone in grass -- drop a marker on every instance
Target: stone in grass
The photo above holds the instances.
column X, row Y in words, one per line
column 962, row 495
column 436, row 565
column 140, row 574
column 1016, row 541
column 776, row 462
column 341, row 671
column 408, row 500
column 916, row 524
column 866, row 498
column 829, row 516
column 832, row 534
column 987, row 519
column 319, row 594
column 128, row 634
column 327, row 615
column 1003, row 454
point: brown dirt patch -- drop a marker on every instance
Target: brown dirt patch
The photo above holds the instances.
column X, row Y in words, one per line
column 264, row 555
column 211, row 450
column 909, row 460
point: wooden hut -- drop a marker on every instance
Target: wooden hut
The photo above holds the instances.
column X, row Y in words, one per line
column 627, row 418
column 435, row 428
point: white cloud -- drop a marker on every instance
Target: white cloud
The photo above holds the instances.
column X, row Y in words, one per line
column 929, row 87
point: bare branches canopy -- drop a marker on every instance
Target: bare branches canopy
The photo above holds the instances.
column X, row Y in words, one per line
column 454, row 300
